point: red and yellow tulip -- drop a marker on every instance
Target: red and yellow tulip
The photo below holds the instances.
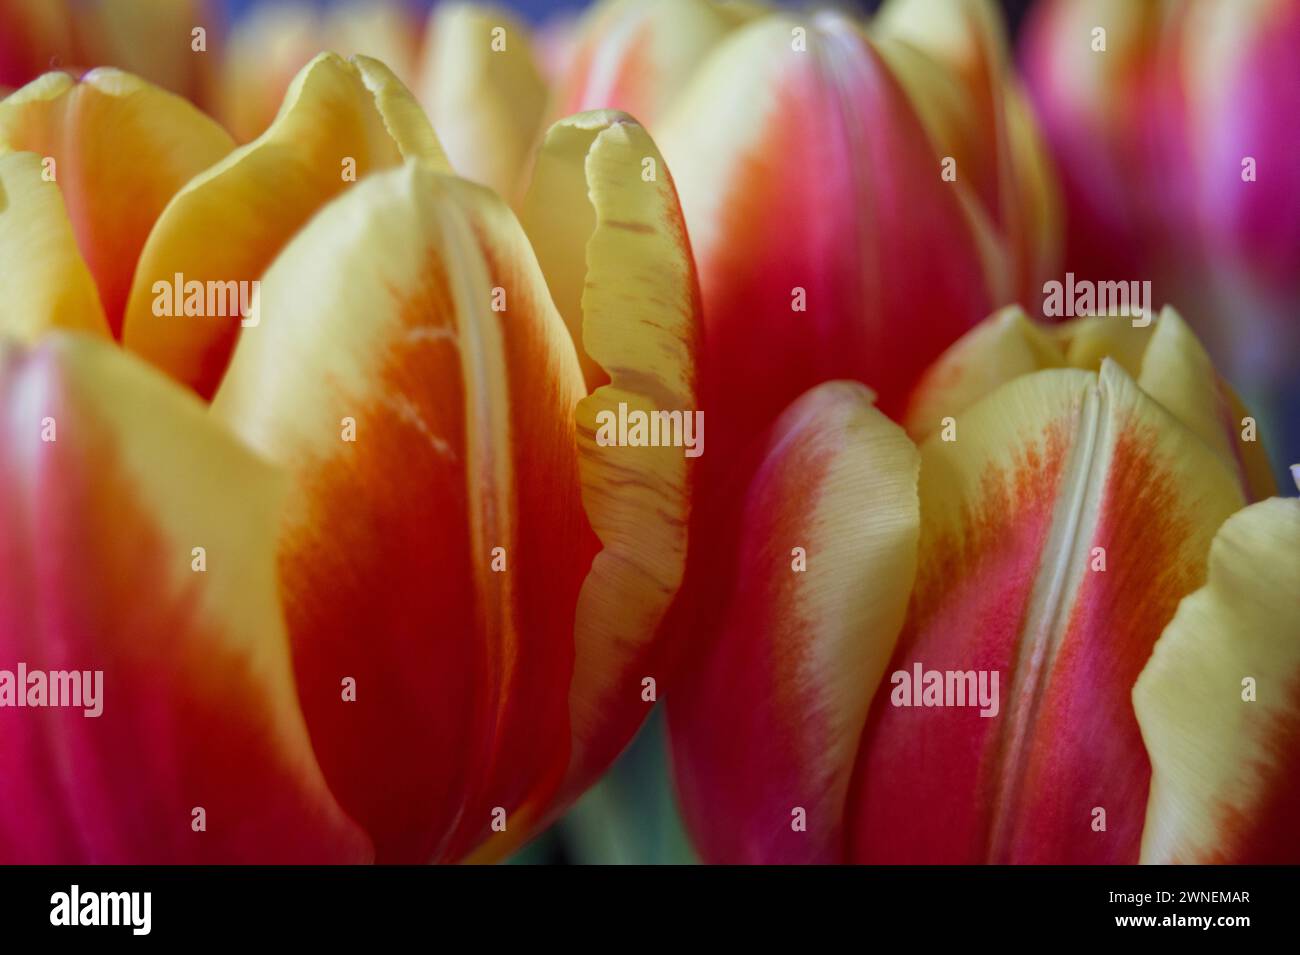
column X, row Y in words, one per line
column 386, row 597
column 1078, row 499
column 827, row 245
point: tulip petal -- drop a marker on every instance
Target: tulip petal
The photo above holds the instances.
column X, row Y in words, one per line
column 1178, row 373
column 111, row 478
column 122, row 149
column 1224, row 757
column 637, row 57
column 483, row 92
column 1171, row 365
column 38, row 36
column 801, row 651
column 614, row 249
column 1036, row 221
column 1090, row 339
column 952, row 57
column 1109, row 125
column 435, row 553
column 152, row 39
column 266, row 48
column 384, row 30
column 1239, row 73
column 1004, row 347
column 45, row 283
column 1042, row 473
column 558, row 216
column 336, row 112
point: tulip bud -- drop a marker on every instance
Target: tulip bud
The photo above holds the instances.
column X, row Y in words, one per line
column 1242, row 76
column 827, row 243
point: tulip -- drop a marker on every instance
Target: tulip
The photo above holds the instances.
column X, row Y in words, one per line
column 494, row 486
column 436, row 597
column 1177, row 158
column 1107, row 117
column 1240, row 70
column 1080, row 501
column 827, row 244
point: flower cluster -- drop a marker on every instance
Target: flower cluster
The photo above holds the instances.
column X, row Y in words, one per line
column 353, row 403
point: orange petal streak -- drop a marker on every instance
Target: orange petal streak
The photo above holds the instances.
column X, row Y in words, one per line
column 436, row 558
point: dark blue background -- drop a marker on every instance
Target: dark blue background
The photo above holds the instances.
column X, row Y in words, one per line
column 539, row 9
